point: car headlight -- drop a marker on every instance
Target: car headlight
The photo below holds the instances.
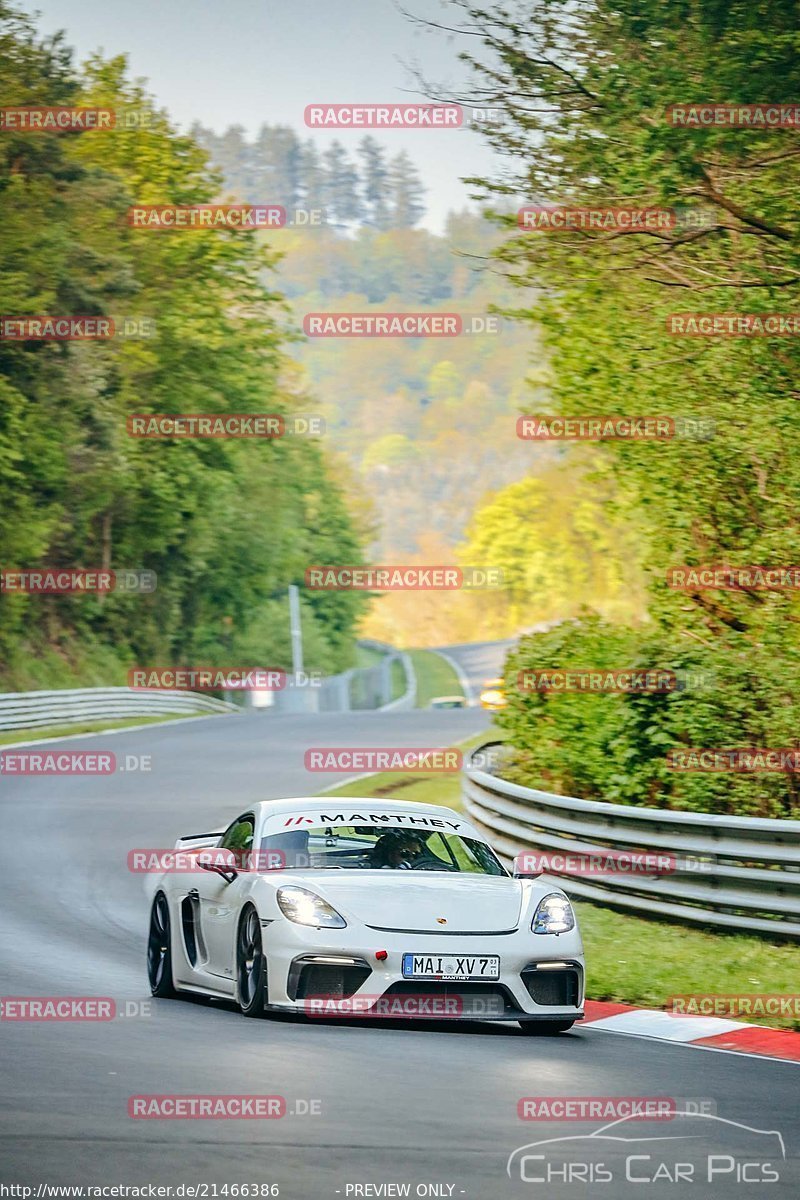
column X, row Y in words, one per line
column 306, row 908
column 553, row 915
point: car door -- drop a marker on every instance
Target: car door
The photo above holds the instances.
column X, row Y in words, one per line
column 218, row 901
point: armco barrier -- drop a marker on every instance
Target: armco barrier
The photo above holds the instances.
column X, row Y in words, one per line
column 739, row 873
column 71, row 706
column 408, row 699
column 357, row 690
column 382, row 676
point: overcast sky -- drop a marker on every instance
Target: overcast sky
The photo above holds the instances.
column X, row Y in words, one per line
column 244, row 62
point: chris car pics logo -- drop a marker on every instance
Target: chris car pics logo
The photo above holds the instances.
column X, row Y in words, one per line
column 696, row 1148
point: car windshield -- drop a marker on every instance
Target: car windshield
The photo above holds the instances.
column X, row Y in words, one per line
column 374, row 847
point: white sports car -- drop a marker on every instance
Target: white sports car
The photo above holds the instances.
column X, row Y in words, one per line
column 363, row 908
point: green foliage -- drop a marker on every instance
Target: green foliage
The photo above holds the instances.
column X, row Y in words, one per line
column 613, row 746
column 585, row 86
column 434, row 675
column 429, row 424
column 560, row 546
column 225, row 525
column 622, row 966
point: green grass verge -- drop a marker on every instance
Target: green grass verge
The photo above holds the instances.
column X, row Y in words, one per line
column 398, row 679
column 366, row 656
column 435, row 677
column 637, row 961
column 444, row 788
column 8, row 737
column 421, row 789
column 631, row 959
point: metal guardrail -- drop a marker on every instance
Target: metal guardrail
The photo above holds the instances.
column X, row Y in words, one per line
column 358, row 688
column 738, row 873
column 408, row 699
column 379, row 679
column 365, row 688
column 71, row 706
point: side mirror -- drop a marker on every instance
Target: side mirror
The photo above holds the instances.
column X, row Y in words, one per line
column 221, row 862
column 527, row 866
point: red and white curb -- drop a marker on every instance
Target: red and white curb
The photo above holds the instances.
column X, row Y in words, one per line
column 715, row 1033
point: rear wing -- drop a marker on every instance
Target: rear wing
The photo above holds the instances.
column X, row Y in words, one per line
column 192, row 841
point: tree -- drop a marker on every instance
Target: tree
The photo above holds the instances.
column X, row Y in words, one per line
column 585, row 88
column 374, row 183
column 277, row 162
column 405, row 192
column 225, row 525
column 313, row 193
column 232, row 155
column 341, row 185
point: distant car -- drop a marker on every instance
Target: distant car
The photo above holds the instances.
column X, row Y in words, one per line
column 363, row 907
column 448, row 702
column 493, row 695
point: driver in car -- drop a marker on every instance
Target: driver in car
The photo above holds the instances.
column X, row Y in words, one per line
column 396, row 851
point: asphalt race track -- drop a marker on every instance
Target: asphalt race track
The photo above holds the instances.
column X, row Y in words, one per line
column 433, row 1108
column 479, row 662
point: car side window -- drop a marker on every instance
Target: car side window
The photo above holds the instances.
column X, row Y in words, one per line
column 239, row 835
column 437, row 847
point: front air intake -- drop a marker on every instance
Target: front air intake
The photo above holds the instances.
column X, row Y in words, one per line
column 553, row 988
column 329, row 978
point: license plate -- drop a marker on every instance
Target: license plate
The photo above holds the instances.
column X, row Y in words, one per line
column 451, row 966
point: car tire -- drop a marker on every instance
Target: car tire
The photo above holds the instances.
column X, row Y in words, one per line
column 159, row 950
column 545, row 1028
column 251, row 965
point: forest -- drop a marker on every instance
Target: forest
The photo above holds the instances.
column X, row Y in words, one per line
column 223, row 526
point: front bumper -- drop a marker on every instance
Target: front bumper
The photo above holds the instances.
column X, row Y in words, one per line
column 330, row 972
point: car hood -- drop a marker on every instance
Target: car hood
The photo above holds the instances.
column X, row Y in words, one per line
column 420, row 902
